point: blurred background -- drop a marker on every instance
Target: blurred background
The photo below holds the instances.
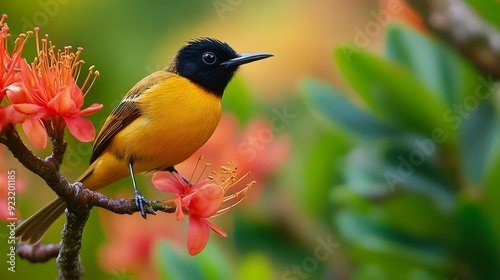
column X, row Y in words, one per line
column 372, row 135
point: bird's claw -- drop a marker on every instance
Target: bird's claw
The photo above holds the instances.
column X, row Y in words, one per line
column 141, row 202
column 78, row 188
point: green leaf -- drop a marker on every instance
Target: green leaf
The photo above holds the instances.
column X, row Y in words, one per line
column 458, row 84
column 413, row 165
column 209, row 264
column 405, row 211
column 171, row 264
column 255, row 266
column 323, row 157
column 364, row 174
column 336, row 108
column 387, row 166
column 488, row 9
column 213, row 262
column 492, row 192
column 414, row 213
column 435, row 65
column 477, row 238
column 344, row 195
column 394, row 94
column 368, row 272
column 238, row 100
column 252, row 234
column 368, row 237
column 418, row 205
column 476, row 135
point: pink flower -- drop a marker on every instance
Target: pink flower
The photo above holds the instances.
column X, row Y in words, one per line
column 201, row 202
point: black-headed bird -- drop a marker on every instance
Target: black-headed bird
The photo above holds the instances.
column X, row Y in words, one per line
column 160, row 122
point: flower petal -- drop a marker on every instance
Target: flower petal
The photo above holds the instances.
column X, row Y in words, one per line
column 169, row 182
column 76, row 93
column 91, row 109
column 200, row 184
column 62, row 104
column 35, row 130
column 17, row 94
column 8, row 114
column 179, row 213
column 81, row 128
column 198, row 233
column 216, row 229
column 28, row 109
column 206, row 201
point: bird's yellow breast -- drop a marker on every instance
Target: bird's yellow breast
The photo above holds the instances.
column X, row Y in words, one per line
column 178, row 117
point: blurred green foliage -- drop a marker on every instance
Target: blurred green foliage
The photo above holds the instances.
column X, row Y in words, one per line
column 488, row 9
column 412, row 204
column 401, row 172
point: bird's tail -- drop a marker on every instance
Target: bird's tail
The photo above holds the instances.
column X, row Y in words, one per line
column 32, row 229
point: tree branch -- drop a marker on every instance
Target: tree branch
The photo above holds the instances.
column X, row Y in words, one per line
column 458, row 25
column 121, row 205
column 37, row 253
column 42, row 253
column 47, row 169
column 67, row 252
column 79, row 201
column 68, row 260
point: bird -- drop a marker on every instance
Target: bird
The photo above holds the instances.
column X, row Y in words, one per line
column 161, row 121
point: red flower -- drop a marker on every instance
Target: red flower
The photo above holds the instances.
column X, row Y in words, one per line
column 45, row 94
column 50, row 89
column 9, row 67
column 201, row 201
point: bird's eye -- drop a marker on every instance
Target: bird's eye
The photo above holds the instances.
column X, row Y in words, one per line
column 209, row 58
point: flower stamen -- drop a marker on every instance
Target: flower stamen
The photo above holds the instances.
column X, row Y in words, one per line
column 94, row 73
column 202, row 201
column 242, row 192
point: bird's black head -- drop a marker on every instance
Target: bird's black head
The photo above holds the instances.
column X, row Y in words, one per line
column 210, row 63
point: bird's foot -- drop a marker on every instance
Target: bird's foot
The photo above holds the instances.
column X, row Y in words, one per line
column 141, row 202
column 78, row 188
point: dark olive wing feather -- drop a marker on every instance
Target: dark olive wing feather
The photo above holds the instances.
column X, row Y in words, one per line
column 125, row 112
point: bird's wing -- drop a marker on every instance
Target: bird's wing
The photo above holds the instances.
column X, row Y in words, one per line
column 125, row 112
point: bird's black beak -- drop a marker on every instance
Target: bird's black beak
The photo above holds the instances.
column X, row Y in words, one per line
column 245, row 58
